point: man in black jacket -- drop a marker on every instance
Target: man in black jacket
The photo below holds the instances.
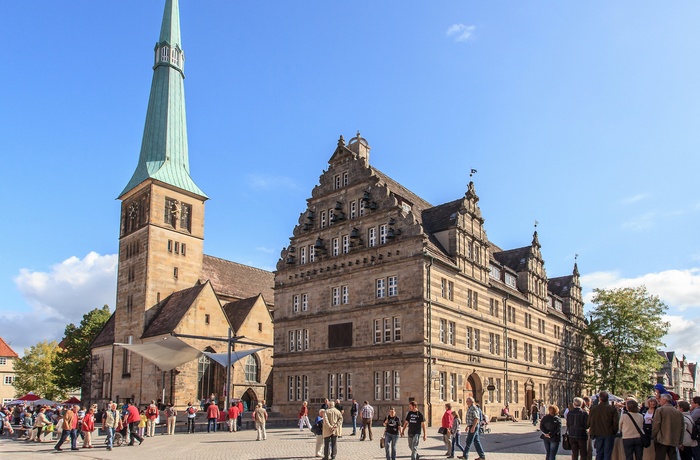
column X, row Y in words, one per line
column 577, row 427
column 603, row 424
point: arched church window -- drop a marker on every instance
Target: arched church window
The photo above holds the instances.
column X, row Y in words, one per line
column 164, row 54
column 252, row 369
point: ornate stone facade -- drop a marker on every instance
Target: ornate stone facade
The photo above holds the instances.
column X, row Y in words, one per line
column 677, row 375
column 384, row 297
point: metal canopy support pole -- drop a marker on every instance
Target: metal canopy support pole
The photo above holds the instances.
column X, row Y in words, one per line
column 228, row 371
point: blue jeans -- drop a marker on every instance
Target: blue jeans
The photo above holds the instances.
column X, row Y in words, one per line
column 211, row 425
column 413, row 445
column 110, row 436
column 473, row 437
column 354, row 424
column 390, row 439
column 73, row 439
column 550, row 448
column 455, row 442
column 604, row 447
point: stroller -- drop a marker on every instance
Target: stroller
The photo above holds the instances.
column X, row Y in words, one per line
column 119, row 435
column 483, row 424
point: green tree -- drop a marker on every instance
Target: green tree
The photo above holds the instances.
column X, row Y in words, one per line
column 34, row 372
column 624, row 333
column 74, row 353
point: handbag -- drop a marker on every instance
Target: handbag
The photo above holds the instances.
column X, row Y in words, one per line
column 442, row 430
column 381, row 442
column 565, row 443
column 646, row 439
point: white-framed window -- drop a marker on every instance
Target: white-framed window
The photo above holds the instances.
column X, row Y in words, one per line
column 510, row 280
column 372, row 237
column 469, row 336
column 451, row 332
column 387, row 330
column 330, row 216
column 393, row 285
column 450, row 290
column 340, row 378
column 353, row 209
column 295, row 303
column 345, row 179
column 304, row 302
column 323, row 219
column 331, row 386
column 336, row 246
column 9, row 379
column 302, row 255
column 335, row 296
column 498, row 389
column 311, row 253
column 387, row 385
column 337, row 181
column 443, row 331
column 453, row 387
column 495, row 272
column 381, row 288
column 164, row 54
column 346, row 244
column 382, row 234
column 443, row 389
column 3, row 361
column 362, row 208
column 345, row 295
column 377, row 386
column 298, row 340
column 290, row 388
column 477, row 339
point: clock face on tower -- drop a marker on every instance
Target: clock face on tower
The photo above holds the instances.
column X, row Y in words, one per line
column 133, row 210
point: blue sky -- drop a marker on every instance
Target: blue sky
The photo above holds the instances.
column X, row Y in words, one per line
column 582, row 116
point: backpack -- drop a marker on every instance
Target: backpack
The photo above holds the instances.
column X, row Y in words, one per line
column 695, row 434
column 191, row 410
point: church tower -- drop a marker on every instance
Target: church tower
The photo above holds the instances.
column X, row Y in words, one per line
column 161, row 235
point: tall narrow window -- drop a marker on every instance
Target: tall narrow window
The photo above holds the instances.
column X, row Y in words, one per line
column 304, row 302
column 295, row 304
column 353, row 209
column 336, row 246
column 381, row 288
column 346, row 244
column 186, row 217
column 393, row 286
column 382, row 234
column 345, row 295
column 335, row 296
column 170, row 212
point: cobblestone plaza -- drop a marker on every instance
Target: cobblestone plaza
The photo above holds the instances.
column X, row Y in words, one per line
column 507, row 441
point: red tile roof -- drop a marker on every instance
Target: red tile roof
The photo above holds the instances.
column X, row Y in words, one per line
column 236, row 280
column 6, row 351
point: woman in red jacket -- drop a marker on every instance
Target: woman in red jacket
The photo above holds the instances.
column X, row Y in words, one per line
column 88, row 426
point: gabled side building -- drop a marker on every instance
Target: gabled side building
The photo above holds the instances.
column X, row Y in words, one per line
column 7, row 372
column 382, row 296
column 166, row 284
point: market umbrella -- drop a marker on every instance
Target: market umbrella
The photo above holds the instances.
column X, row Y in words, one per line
column 29, row 397
column 72, row 400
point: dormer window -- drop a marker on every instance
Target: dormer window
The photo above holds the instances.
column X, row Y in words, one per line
column 495, row 272
column 510, row 280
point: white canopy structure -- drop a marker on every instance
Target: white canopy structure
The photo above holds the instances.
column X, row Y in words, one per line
column 172, row 352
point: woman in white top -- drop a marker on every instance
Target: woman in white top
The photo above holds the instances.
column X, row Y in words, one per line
column 652, row 404
column 631, row 422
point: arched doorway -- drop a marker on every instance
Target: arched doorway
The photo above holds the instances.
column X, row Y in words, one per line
column 473, row 388
column 249, row 400
column 530, row 396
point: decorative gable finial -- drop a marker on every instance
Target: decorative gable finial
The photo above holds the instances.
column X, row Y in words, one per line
column 341, row 141
column 471, row 192
column 576, row 273
column 535, row 238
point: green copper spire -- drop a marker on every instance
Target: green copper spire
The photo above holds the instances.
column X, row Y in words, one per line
column 164, row 154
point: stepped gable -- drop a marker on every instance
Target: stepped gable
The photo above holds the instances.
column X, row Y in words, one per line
column 238, row 310
column 169, row 312
column 6, row 351
column 105, row 338
column 560, row 286
column 418, row 203
column 236, row 280
column 515, row 259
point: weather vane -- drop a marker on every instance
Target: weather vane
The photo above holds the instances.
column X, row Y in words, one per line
column 473, row 171
column 536, row 225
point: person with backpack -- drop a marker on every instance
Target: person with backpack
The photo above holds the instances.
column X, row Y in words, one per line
column 151, row 417
column 690, row 435
column 191, row 414
column 171, row 415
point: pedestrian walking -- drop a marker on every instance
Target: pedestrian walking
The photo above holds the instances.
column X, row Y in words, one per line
column 260, row 418
column 415, row 422
column 332, row 420
column 391, row 434
column 603, row 422
column 577, row 428
column 354, row 409
column 550, row 426
column 446, row 429
column 667, row 428
column 367, row 413
column 472, row 420
column 631, row 423
column 304, row 416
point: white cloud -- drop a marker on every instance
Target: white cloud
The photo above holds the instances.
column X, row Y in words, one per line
column 60, row 296
column 460, row 32
column 678, row 289
column 268, row 182
column 642, row 222
column 633, row 198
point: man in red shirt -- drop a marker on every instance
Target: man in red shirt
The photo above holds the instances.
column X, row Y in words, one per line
column 212, row 416
column 240, row 414
column 233, row 417
column 133, row 419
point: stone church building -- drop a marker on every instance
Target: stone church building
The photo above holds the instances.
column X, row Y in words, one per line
column 166, row 284
column 382, row 296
